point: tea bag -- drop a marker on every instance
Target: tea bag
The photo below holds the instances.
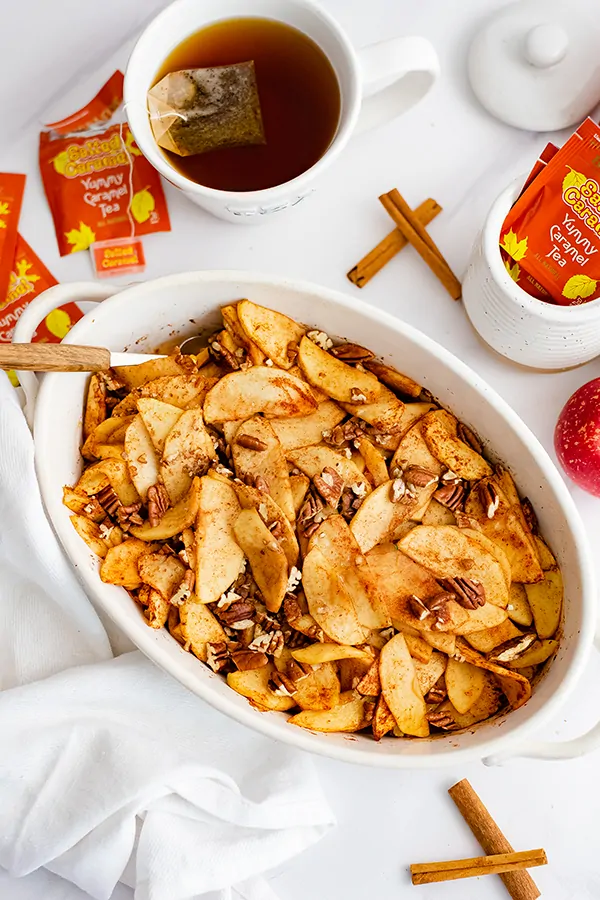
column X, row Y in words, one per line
column 196, row 110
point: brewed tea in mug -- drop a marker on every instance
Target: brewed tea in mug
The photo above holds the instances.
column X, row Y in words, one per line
column 299, row 100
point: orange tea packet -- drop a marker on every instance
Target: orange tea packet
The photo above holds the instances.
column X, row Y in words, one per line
column 98, row 184
column 29, row 278
column 12, row 187
column 551, row 235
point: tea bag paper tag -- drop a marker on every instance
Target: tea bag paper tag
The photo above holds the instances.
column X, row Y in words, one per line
column 119, row 256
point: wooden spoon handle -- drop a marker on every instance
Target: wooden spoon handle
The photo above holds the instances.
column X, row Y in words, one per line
column 54, row 357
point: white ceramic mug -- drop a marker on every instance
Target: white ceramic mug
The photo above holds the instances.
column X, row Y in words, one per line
column 521, row 327
column 376, row 84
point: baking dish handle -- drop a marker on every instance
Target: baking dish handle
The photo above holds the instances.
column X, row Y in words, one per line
column 579, row 746
column 37, row 310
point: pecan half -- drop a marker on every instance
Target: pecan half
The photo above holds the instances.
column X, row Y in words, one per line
column 441, row 720
column 329, row 485
column 436, row 694
column 310, row 508
column 419, row 477
column 130, row 515
column 469, row 592
column 217, row 656
column 250, row 442
column 513, row 649
column 530, row 516
column 451, row 495
column 270, row 642
column 351, row 352
column 158, row 503
column 249, row 659
column 468, row 436
column 239, row 615
column 490, row 498
column 291, row 609
column 108, row 500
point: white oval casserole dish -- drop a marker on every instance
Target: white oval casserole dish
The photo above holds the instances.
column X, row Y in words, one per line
column 141, row 317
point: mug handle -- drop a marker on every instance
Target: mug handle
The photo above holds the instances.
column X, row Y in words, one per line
column 395, row 75
column 37, row 310
column 571, row 749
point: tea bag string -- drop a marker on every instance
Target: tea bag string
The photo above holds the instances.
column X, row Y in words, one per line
column 130, row 178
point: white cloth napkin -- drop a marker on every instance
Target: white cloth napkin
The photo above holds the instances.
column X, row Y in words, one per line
column 110, row 771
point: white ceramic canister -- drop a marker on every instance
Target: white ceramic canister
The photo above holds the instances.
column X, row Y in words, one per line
column 520, row 327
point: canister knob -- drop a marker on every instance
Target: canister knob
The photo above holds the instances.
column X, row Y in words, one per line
column 546, row 45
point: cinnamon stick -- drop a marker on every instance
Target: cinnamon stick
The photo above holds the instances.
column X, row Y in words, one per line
column 520, row 885
column 498, row 864
column 379, row 256
column 411, row 228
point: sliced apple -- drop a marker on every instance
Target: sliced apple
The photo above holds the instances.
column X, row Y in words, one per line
column 545, row 556
column 383, row 719
column 312, row 461
column 343, row 554
column 440, row 430
column 234, row 328
column 308, row 430
column 91, row 534
column 545, row 600
column 184, row 391
column 386, row 413
column 518, row 607
column 299, row 485
column 464, row 683
column 413, row 451
column 109, row 432
column 109, row 471
column 374, row 461
column 137, row 375
column 163, row 573
column 269, row 462
column 199, row 627
column 159, row 418
column 436, row 514
column 429, row 673
column 120, row 565
column 516, row 687
column 320, row 689
column 353, row 713
column 188, row 451
column 273, row 332
column 141, row 457
column 329, row 602
column 271, row 514
column 267, row 559
column 379, row 517
column 537, row 654
column 485, row 641
column 219, row 558
column 400, row 688
column 337, row 379
column 315, row 654
column 254, row 684
column 260, row 389
column 95, row 405
column 370, row 683
column 489, row 702
column 418, row 648
column 449, row 553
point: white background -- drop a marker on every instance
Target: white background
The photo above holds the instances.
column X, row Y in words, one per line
column 54, row 57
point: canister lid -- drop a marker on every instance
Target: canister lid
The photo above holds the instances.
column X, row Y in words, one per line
column 535, row 63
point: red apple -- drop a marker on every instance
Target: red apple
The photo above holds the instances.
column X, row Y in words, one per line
column 577, row 437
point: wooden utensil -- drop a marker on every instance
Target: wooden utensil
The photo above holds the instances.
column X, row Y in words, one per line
column 54, row 357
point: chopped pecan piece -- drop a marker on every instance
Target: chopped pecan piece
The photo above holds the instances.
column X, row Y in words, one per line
column 261, row 484
column 357, row 396
column 276, row 529
column 347, row 509
column 292, row 351
column 270, row 642
column 438, row 693
column 250, row 442
column 351, row 353
column 397, row 490
column 111, row 380
column 530, row 516
column 441, row 720
column 291, row 608
column 217, row 656
column 419, row 477
column 185, row 588
column 490, row 499
column 418, row 608
column 451, row 495
column 468, row 592
column 249, row 659
column 465, row 521
column 158, row 503
column 320, row 338
column 282, row 685
column 108, row 500
column 468, row 436
column 512, row 649
column 296, row 671
column 329, row 485
column 438, row 607
column 222, row 354
column 239, row 615
column 311, row 509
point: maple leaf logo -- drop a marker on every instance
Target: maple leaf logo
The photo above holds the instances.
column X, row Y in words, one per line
column 131, row 146
column 80, row 238
column 4, row 209
column 23, row 273
column 513, row 246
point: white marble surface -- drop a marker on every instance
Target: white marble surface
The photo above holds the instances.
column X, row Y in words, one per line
column 447, row 148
